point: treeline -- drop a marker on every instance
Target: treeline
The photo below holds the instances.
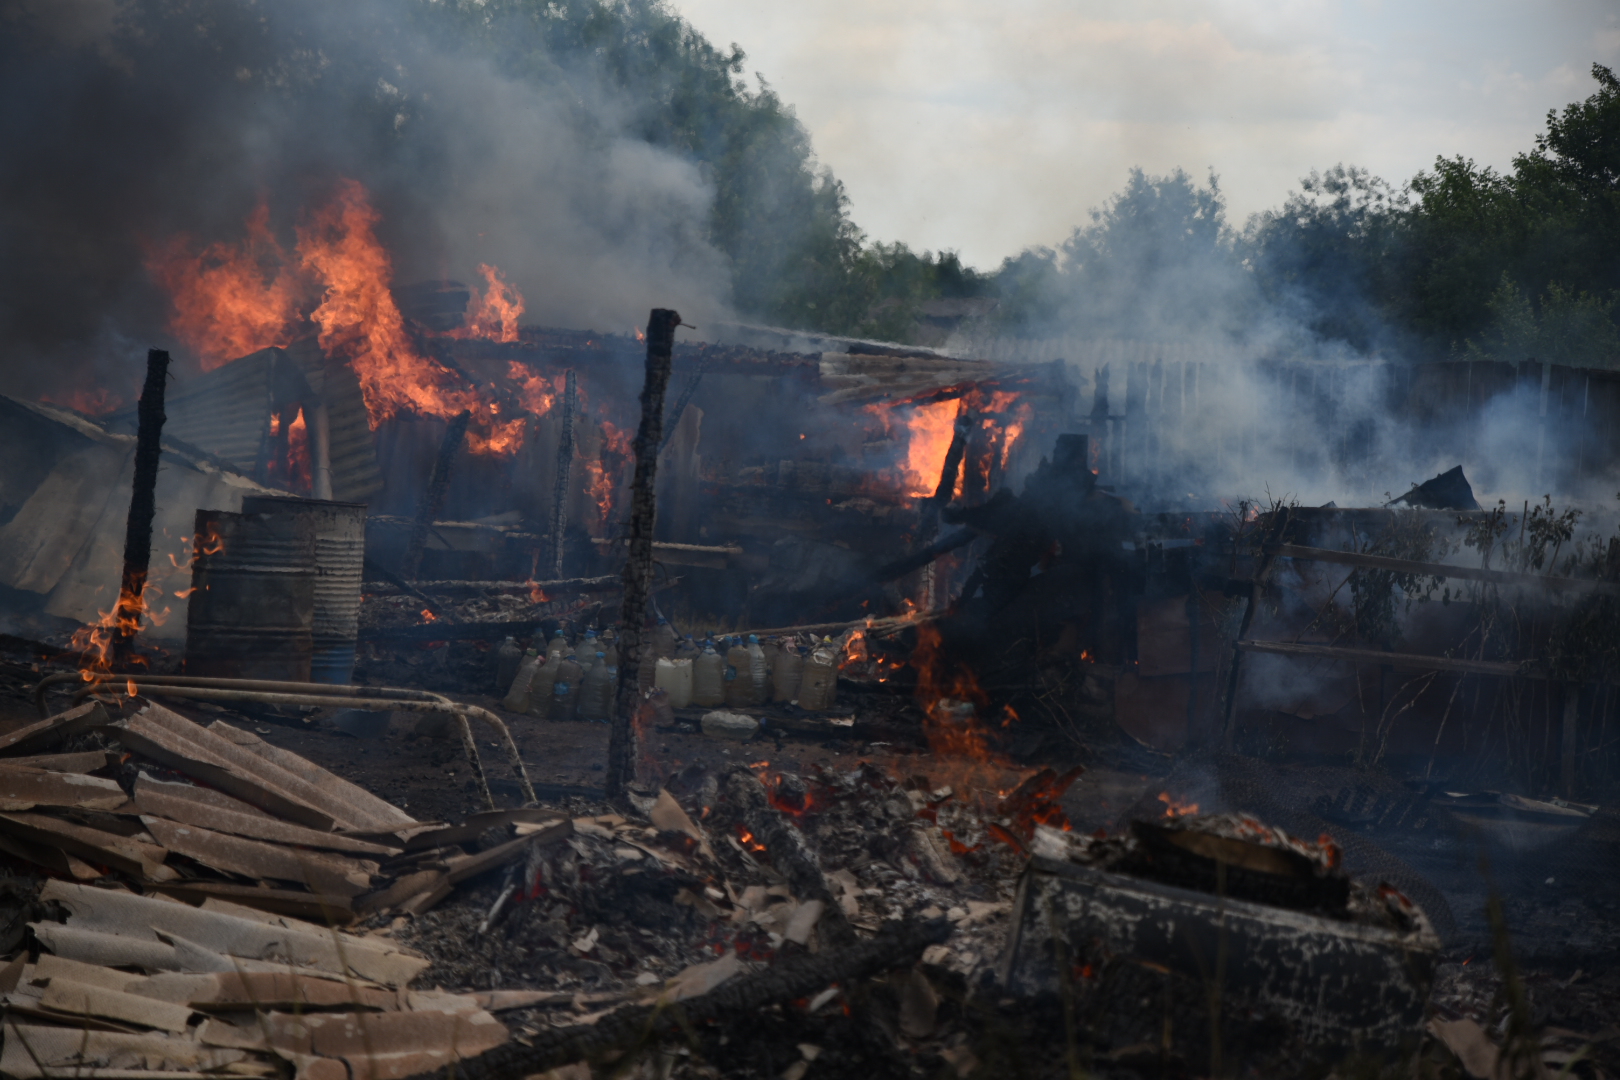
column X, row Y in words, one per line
column 1460, row 259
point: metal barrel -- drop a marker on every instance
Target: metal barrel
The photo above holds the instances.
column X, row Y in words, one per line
column 340, row 552
column 254, row 603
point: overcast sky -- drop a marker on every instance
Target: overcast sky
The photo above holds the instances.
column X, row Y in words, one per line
column 991, row 126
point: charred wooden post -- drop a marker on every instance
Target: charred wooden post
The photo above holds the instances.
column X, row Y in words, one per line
column 638, row 567
column 565, row 464
column 433, row 503
column 789, row 852
column 142, row 507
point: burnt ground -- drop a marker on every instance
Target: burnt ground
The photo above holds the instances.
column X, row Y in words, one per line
column 1563, row 974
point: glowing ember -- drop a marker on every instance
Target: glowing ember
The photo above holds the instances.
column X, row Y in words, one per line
column 428, row 616
column 1174, row 808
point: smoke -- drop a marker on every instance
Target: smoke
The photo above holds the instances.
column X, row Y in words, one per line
column 128, row 123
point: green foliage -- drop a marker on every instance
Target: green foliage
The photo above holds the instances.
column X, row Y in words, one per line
column 1566, row 327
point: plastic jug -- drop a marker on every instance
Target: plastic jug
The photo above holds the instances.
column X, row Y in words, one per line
column 789, row 670
column 674, row 677
column 708, row 679
column 663, row 639
column 759, row 672
column 739, row 683
column 508, row 658
column 818, row 688
column 558, row 646
column 587, row 647
column 593, row 697
column 517, row 695
column 610, row 646
column 687, row 649
column 565, row 690
column 540, row 687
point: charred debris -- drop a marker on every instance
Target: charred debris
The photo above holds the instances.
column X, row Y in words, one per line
column 782, row 708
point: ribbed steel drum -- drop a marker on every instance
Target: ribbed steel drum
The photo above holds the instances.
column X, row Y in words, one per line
column 340, row 552
column 254, row 603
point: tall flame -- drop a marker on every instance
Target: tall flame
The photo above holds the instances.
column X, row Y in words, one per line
column 230, row 299
column 494, row 314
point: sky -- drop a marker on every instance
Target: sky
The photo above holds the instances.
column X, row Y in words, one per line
column 989, row 127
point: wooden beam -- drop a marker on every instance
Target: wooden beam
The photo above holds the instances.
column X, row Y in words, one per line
column 1405, row 661
column 1440, row 570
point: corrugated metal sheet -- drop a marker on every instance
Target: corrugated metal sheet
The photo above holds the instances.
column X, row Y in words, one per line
column 355, row 475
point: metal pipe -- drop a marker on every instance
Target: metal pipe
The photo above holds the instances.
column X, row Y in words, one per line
column 320, row 441
column 321, row 695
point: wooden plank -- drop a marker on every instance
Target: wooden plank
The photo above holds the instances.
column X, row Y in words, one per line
column 1404, row 661
column 1440, row 570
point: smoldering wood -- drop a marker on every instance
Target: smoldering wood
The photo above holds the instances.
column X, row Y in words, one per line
column 798, row 977
column 787, row 850
column 433, row 501
column 488, row 588
column 638, row 567
column 565, row 464
column 142, row 504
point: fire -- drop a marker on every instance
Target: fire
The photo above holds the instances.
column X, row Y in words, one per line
column 428, row 616
column 300, row 465
column 1174, row 807
column 748, row 840
column 230, row 299
column 929, row 429
column 493, row 315
column 602, row 476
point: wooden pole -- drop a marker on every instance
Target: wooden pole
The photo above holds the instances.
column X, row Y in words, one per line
column 565, row 464
column 142, row 507
column 638, row 568
column 433, row 503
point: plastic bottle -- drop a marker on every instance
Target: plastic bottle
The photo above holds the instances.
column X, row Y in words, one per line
column 739, row 683
column 517, row 695
column 507, row 660
column 818, row 688
column 664, row 639
column 610, row 692
column 558, row 647
column 789, row 670
column 687, row 649
column 610, row 647
column 565, row 690
column 587, row 647
column 540, row 687
column 759, row 672
column 674, row 677
column 708, row 678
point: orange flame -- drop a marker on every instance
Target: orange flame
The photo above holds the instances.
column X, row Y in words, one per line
column 428, row 616
column 495, row 313
column 1174, row 807
column 230, row 299
column 602, row 476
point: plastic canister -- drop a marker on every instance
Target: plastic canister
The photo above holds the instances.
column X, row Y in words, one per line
column 708, row 678
column 507, row 659
column 517, row 695
column 759, row 672
column 565, row 690
column 739, row 683
column 819, row 686
column 787, row 674
column 674, row 677
column 540, row 687
column 663, row 639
